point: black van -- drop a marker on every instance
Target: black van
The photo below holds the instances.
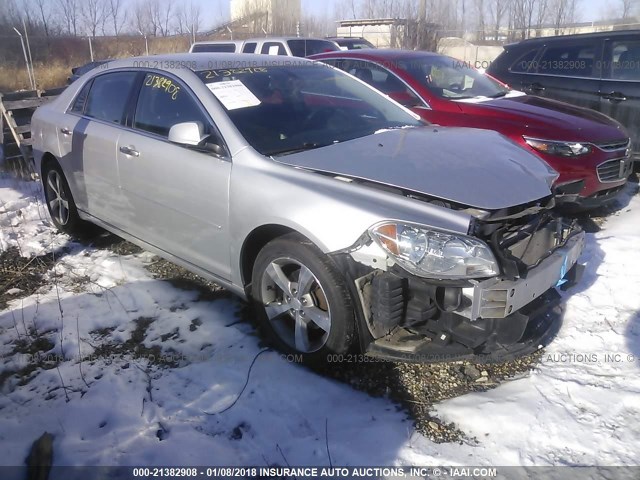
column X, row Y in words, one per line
column 600, row 71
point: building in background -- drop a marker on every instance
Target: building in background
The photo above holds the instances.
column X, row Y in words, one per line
column 275, row 17
column 390, row 32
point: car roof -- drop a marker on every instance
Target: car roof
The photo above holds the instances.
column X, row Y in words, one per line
column 615, row 33
column 376, row 54
column 204, row 60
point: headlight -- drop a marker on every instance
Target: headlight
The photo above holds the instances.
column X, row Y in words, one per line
column 562, row 149
column 434, row 254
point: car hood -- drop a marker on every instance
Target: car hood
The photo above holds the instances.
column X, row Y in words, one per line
column 476, row 168
column 549, row 118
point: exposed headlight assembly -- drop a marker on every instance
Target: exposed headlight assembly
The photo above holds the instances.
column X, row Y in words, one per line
column 430, row 253
column 562, row 149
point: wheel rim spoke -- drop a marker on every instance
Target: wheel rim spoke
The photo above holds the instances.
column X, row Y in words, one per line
column 305, row 279
column 277, row 275
column 274, row 309
column 296, row 305
column 301, row 334
column 52, row 186
column 319, row 317
column 54, row 204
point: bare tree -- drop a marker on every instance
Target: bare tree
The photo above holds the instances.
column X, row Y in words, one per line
column 69, row 11
column 564, row 11
column 188, row 17
column 628, row 7
column 497, row 10
column 93, row 14
column 115, row 11
column 161, row 11
column 142, row 21
column 479, row 7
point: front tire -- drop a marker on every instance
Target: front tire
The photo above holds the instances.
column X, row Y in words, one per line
column 303, row 304
column 60, row 204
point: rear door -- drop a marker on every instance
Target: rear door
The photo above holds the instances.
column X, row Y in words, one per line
column 177, row 197
column 620, row 87
column 94, row 140
column 567, row 70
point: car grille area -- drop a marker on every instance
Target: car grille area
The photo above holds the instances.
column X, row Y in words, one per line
column 614, row 170
column 614, row 146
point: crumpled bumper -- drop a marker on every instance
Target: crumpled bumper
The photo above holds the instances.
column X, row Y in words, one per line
column 502, row 319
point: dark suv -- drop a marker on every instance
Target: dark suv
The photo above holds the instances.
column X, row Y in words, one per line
column 600, row 71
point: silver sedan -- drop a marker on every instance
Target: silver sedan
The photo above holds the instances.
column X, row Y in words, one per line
column 348, row 222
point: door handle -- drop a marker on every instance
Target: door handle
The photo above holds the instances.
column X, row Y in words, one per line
column 614, row 96
column 66, row 131
column 132, row 152
column 535, row 87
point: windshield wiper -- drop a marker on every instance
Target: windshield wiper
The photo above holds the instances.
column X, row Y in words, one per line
column 303, row 148
column 498, row 95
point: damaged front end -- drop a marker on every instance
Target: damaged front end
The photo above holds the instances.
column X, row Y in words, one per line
column 431, row 296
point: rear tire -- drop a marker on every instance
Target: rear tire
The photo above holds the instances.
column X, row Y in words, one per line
column 301, row 300
column 60, row 204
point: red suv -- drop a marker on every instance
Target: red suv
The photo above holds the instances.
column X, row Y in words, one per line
column 590, row 150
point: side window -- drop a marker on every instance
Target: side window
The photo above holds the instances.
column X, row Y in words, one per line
column 625, row 60
column 249, row 47
column 385, row 81
column 163, row 103
column 570, row 60
column 78, row 104
column 108, row 97
column 273, row 48
column 525, row 62
column 214, row 47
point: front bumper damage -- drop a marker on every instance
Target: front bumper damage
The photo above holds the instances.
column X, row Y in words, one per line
column 412, row 319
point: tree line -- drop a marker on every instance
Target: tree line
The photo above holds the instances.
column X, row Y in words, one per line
column 74, row 18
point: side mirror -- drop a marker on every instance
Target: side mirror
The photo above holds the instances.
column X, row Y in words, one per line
column 191, row 134
column 187, row 133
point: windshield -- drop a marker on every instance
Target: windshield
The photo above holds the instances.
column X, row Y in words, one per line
column 284, row 109
column 449, row 78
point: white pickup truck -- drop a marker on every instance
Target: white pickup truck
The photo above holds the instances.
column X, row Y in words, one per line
column 289, row 46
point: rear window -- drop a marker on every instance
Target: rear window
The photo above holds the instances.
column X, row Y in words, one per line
column 220, row 48
column 108, row 96
column 573, row 60
column 305, row 48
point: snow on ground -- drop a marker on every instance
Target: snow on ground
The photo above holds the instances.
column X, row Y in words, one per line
column 119, row 406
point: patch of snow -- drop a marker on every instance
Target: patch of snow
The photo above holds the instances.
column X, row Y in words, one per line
column 118, row 408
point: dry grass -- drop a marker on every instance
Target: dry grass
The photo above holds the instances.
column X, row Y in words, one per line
column 66, row 54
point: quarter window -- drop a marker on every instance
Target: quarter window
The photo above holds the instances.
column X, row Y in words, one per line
column 81, row 99
column 163, row 103
column 108, row 97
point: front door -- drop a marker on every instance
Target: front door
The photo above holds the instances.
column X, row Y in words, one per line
column 177, row 196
